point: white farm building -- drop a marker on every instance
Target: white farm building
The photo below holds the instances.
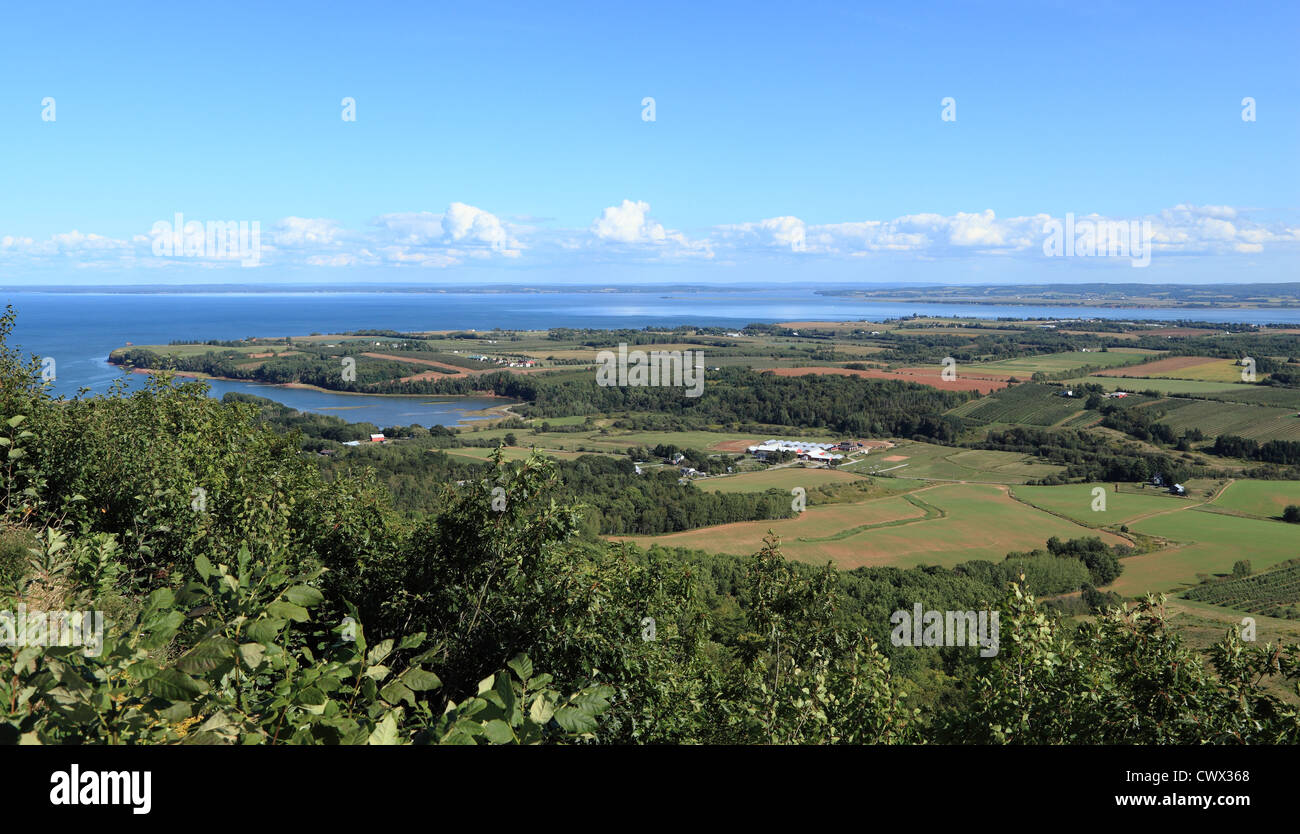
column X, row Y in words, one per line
column 807, row 451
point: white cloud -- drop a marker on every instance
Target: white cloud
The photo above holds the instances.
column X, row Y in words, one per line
column 306, row 231
column 628, row 233
column 629, row 229
column 628, row 223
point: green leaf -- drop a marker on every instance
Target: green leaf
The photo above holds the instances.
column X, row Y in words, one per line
column 385, row 731
column 522, row 666
column 311, row 696
column 574, row 720
column 207, row 655
column 380, row 651
column 419, row 680
column 304, row 595
column 265, row 631
column 252, row 654
column 174, row 685
column 397, row 691
column 159, row 600
column 542, row 710
column 411, row 641
column 289, row 611
column 498, row 732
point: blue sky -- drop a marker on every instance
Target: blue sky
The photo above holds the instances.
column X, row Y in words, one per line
column 505, row 142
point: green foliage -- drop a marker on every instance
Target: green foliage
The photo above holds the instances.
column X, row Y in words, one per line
column 1125, row 679
column 238, row 618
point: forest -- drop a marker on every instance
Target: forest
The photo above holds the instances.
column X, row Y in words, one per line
column 252, row 598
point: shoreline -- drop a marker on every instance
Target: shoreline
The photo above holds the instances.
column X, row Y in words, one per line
column 1057, row 302
column 199, row 375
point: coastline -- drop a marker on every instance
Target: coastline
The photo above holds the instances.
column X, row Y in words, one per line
column 1117, row 304
column 197, row 375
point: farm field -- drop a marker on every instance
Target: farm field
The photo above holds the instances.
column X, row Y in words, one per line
column 1274, row 593
column 978, row 521
column 1257, row 422
column 1029, row 404
column 617, row 441
column 1053, row 363
column 746, row 537
column 1268, row 629
column 1259, row 395
column 260, row 351
column 1201, row 625
column 509, row 452
column 921, row 376
column 1165, row 386
column 783, row 479
column 1207, row 542
column 1200, row 368
column 1262, row 498
column 925, row 461
column 1075, row 502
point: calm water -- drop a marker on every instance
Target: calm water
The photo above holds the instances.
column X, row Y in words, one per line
column 80, row 329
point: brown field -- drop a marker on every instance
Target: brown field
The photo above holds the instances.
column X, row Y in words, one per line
column 893, row 458
column 921, row 376
column 732, row 446
column 451, row 370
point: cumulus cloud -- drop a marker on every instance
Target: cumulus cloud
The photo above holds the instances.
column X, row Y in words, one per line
column 629, row 229
column 1181, row 230
column 464, row 234
column 306, row 231
column 775, row 232
column 428, row 239
column 628, row 223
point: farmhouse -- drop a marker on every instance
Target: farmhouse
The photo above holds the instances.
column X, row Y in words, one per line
column 377, row 438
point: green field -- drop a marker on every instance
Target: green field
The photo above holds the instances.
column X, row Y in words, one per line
column 1165, row 386
column 1216, row 370
column 1055, row 363
column 1215, row 418
column 1075, row 501
column 1030, row 404
column 1262, row 498
column 969, row 521
column 510, row 452
column 925, row 461
column 1274, row 593
column 784, row 479
column 617, row 441
column 1260, row 395
column 199, row 349
column 1205, row 542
